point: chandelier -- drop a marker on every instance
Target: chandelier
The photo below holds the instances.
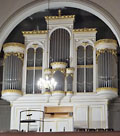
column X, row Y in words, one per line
column 47, row 84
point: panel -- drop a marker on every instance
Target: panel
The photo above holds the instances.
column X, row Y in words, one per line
column 58, row 124
column 49, row 126
column 63, row 125
column 16, row 119
column 81, row 117
column 95, row 117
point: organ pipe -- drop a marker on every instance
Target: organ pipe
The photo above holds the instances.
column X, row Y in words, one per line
column 60, row 45
column 108, row 72
column 12, row 70
column 12, row 73
column 34, row 72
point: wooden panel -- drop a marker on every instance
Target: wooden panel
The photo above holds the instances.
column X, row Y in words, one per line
column 57, row 109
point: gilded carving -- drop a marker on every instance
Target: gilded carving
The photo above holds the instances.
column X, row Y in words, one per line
column 62, row 70
column 47, row 70
column 18, row 54
column 112, row 51
column 69, row 74
column 58, row 63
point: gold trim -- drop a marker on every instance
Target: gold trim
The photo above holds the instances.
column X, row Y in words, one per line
column 70, row 69
column 84, row 66
column 32, row 68
column 106, row 41
column 57, row 63
column 12, row 91
column 18, row 54
column 69, row 92
column 107, row 89
column 70, row 74
column 62, row 70
column 58, row 91
column 85, row 92
column 47, row 93
column 14, row 44
column 85, row 30
column 35, row 32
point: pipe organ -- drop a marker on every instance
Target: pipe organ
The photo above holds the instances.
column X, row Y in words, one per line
column 84, row 69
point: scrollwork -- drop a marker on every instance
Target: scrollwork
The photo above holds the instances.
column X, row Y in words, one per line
column 17, row 54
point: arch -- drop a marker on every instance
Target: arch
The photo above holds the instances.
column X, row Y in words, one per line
column 60, row 51
column 60, row 27
column 36, row 6
column 35, row 42
column 90, row 42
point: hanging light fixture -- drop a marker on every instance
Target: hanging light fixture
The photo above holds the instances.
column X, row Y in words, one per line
column 47, row 84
